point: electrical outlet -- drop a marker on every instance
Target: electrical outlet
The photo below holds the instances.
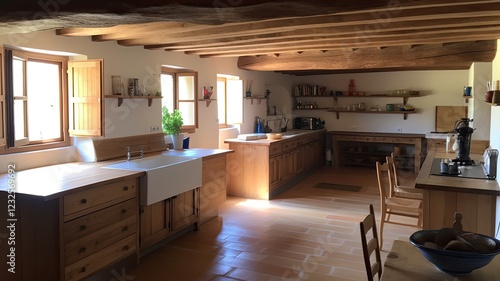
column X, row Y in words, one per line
column 354, row 128
column 400, row 130
column 154, row 129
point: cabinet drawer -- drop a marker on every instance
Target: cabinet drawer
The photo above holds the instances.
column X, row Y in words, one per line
column 274, row 148
column 96, row 221
column 214, row 165
column 101, row 259
column 87, row 245
column 289, row 145
column 102, row 196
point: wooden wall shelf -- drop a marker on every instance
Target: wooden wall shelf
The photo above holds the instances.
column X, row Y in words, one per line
column 259, row 99
column 404, row 112
column 121, row 98
column 208, row 101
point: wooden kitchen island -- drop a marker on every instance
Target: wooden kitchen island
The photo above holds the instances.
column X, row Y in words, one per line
column 261, row 169
column 476, row 199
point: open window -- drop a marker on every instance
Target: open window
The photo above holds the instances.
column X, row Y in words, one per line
column 230, row 99
column 178, row 87
column 35, row 97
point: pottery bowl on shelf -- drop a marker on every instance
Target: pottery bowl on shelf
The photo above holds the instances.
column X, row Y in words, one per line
column 274, row 136
column 454, row 262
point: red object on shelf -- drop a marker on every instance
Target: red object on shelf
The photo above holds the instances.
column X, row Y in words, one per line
column 352, row 87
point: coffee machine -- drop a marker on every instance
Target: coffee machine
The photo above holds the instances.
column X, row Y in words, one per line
column 464, row 135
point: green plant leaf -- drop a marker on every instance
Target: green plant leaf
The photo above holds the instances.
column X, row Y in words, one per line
column 171, row 122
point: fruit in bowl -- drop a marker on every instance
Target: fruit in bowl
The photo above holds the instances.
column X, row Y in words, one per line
column 456, row 252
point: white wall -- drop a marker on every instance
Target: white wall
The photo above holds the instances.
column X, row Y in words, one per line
column 435, row 87
column 479, row 111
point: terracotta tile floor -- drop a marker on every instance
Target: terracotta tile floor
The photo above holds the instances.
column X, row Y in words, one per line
column 306, row 234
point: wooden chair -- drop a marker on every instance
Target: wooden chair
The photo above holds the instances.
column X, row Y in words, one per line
column 397, row 206
column 398, row 190
column 370, row 246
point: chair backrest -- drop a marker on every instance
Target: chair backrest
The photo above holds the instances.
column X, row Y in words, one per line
column 384, row 181
column 370, row 246
column 394, row 168
column 392, row 173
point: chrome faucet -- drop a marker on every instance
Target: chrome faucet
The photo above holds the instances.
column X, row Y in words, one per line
column 129, row 152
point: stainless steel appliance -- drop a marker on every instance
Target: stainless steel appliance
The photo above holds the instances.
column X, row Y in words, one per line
column 490, row 162
column 308, row 123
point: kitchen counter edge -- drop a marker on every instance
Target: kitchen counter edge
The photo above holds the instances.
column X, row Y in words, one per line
column 425, row 180
column 50, row 182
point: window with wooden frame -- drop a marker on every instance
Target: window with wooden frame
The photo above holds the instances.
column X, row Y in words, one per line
column 35, row 101
column 178, row 88
column 230, row 100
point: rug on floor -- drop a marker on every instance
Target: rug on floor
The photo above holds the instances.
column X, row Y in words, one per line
column 342, row 187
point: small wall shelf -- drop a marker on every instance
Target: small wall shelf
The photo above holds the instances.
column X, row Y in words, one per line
column 493, row 104
column 208, row 101
column 258, row 98
column 404, row 112
column 121, row 98
column 467, row 98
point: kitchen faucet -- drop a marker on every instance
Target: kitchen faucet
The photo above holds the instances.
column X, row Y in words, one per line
column 129, row 152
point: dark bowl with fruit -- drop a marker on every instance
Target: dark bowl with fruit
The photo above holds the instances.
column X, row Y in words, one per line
column 456, row 253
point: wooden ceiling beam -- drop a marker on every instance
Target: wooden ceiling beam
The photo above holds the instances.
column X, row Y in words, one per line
column 351, row 39
column 410, row 26
column 315, row 45
column 453, row 55
column 289, row 24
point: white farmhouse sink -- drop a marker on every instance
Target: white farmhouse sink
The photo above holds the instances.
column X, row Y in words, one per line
column 166, row 176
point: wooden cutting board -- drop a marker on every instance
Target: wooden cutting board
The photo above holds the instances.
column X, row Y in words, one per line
column 447, row 116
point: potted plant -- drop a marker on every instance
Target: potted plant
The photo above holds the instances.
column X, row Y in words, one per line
column 171, row 125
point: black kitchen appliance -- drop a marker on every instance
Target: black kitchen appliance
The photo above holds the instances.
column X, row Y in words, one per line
column 308, row 123
column 464, row 135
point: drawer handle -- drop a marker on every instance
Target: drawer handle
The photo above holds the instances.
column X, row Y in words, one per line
column 83, row 269
column 83, row 201
column 125, row 188
column 83, row 227
column 82, row 250
column 125, row 228
column 124, row 211
column 126, row 248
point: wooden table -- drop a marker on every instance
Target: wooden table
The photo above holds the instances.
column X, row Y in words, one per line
column 405, row 262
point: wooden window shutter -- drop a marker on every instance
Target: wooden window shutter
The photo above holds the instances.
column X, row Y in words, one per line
column 2, row 101
column 86, row 110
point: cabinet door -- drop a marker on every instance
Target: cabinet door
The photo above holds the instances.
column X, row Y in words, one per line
column 185, row 209
column 275, row 171
column 155, row 223
column 291, row 165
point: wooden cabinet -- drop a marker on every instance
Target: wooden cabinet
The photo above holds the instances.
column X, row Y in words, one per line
column 163, row 219
column 155, row 223
column 185, row 210
column 263, row 169
column 213, row 188
column 364, row 149
column 100, row 227
column 78, row 235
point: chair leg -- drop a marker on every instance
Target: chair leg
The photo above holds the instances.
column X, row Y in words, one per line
column 381, row 232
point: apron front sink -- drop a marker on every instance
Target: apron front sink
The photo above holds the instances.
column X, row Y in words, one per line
column 166, row 176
